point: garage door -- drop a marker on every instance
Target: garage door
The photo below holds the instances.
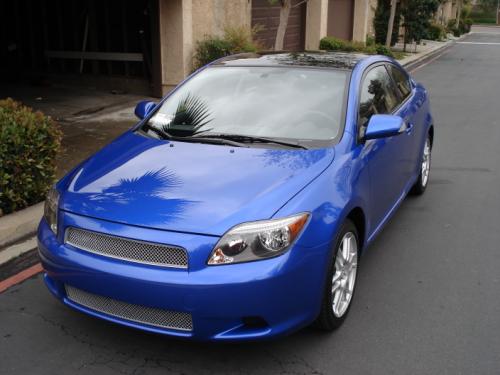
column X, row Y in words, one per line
column 340, row 18
column 266, row 17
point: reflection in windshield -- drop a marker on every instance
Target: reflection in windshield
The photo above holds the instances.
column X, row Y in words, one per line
column 191, row 114
column 273, row 102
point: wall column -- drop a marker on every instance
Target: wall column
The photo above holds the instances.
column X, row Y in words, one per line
column 360, row 24
column 174, row 44
column 316, row 23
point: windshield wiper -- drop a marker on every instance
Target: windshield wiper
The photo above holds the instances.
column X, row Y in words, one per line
column 252, row 139
column 212, row 140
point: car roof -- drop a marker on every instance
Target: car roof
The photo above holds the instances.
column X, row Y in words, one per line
column 323, row 59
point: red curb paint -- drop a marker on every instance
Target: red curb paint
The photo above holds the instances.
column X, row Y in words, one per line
column 20, row 277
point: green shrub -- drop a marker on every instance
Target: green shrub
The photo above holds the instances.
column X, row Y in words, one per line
column 210, row 49
column 331, row 43
column 452, row 28
column 383, row 50
column 370, row 41
column 29, row 144
column 235, row 40
column 436, row 32
column 483, row 17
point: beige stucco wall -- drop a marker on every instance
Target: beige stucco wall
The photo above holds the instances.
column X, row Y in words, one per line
column 184, row 22
column 211, row 17
column 372, row 7
column 361, row 13
column 316, row 23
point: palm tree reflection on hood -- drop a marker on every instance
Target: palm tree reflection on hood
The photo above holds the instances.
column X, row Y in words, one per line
column 146, row 195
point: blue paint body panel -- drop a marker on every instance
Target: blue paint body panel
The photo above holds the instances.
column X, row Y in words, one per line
column 190, row 194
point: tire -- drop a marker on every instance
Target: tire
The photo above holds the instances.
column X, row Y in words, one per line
column 425, row 168
column 333, row 315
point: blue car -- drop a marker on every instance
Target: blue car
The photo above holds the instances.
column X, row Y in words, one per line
column 238, row 207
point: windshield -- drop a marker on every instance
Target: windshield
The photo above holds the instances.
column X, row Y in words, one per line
column 271, row 102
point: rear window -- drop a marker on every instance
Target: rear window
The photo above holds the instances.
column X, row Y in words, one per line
column 273, row 102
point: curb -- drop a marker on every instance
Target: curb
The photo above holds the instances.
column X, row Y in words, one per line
column 421, row 60
column 20, row 225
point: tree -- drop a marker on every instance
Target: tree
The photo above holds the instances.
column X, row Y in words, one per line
column 390, row 26
column 460, row 4
column 285, row 8
column 381, row 20
column 417, row 16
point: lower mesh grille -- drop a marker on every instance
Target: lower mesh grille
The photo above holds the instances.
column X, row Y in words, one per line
column 141, row 314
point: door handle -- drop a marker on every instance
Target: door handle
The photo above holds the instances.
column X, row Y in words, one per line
column 409, row 128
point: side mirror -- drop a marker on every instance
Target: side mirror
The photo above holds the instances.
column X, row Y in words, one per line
column 383, row 126
column 144, row 108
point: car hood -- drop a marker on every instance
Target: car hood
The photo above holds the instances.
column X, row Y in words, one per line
column 188, row 187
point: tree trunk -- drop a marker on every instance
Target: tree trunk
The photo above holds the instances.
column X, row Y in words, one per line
column 286, row 6
column 459, row 12
column 388, row 38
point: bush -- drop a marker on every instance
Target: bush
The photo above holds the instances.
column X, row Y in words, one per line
column 29, row 144
column 383, row 50
column 370, row 41
column 451, row 28
column 235, row 40
column 436, row 32
column 483, row 17
column 331, row 43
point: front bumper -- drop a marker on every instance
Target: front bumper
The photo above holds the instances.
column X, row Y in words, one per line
column 283, row 294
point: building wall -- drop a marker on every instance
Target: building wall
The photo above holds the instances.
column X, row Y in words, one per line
column 181, row 23
column 184, row 22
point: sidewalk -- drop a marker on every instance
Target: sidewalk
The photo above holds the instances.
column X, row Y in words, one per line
column 425, row 50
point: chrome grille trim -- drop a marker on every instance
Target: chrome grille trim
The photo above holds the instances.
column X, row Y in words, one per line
column 135, row 313
column 127, row 249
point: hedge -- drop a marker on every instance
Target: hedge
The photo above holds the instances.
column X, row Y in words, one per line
column 330, row 43
column 29, row 144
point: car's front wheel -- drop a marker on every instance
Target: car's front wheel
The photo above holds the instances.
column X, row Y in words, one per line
column 341, row 279
column 425, row 169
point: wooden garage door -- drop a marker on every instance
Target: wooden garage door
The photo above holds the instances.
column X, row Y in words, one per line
column 267, row 18
column 340, row 18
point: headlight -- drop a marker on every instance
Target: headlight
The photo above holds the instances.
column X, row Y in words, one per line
column 257, row 240
column 51, row 207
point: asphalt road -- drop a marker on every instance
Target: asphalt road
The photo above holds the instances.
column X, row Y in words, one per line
column 428, row 298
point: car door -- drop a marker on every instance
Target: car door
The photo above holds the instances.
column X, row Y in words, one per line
column 409, row 111
column 385, row 157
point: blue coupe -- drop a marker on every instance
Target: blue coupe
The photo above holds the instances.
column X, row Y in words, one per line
column 238, row 207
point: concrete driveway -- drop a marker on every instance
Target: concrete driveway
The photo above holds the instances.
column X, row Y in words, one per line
column 428, row 298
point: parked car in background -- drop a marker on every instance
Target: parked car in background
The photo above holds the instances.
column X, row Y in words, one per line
column 238, row 207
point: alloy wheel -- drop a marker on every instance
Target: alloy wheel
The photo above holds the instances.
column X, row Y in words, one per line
column 344, row 278
column 426, row 162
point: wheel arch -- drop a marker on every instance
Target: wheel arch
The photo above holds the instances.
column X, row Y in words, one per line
column 358, row 218
column 431, row 134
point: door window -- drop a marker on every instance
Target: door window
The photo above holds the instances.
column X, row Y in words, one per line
column 402, row 81
column 378, row 96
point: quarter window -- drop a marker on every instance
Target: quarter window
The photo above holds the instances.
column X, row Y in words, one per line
column 378, row 96
column 401, row 80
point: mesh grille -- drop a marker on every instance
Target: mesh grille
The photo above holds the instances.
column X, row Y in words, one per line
column 135, row 313
column 127, row 249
